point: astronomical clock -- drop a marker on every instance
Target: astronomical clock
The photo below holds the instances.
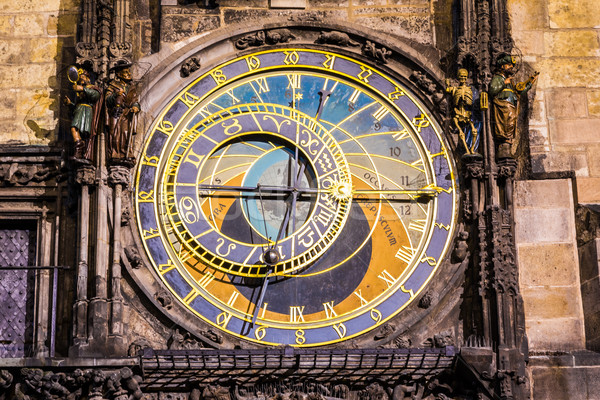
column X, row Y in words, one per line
column 295, row 196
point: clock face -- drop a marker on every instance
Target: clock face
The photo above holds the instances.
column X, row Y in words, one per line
column 295, row 196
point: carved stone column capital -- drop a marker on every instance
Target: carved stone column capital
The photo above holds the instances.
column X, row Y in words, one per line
column 119, row 175
column 507, row 167
column 473, row 167
column 86, row 174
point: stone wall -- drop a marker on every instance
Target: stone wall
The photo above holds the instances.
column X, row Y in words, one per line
column 32, row 37
column 561, row 39
column 549, row 271
column 410, row 19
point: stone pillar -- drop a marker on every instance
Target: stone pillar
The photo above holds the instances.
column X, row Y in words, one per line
column 85, row 177
column 98, row 306
column 119, row 180
column 549, row 268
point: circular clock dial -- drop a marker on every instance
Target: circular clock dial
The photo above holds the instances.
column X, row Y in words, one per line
column 296, row 197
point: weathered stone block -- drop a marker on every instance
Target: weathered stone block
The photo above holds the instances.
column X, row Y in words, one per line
column 574, row 14
column 559, row 383
column 556, row 334
column 547, row 265
column 575, row 43
column 247, row 3
column 35, row 104
column 288, row 4
column 540, row 194
column 327, row 3
column 549, row 225
column 568, row 72
column 63, row 24
column 593, row 159
column 6, row 24
column 559, row 302
column 179, row 27
column 26, row 76
column 560, row 162
column 566, row 103
column 593, row 100
column 530, row 42
column 528, row 15
column 8, row 99
column 13, row 51
column 29, row 24
column 44, row 49
column 417, row 28
column 588, row 190
column 575, row 131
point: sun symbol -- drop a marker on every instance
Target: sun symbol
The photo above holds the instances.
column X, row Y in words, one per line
column 341, row 190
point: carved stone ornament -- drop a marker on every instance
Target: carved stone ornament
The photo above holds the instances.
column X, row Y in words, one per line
column 120, row 50
column 133, row 256
column 86, row 175
column 183, row 341
column 336, row 38
column 461, row 249
column 260, row 38
column 427, row 85
column 24, row 174
column 380, row 54
column 507, row 167
column 37, row 384
column 190, row 65
column 119, row 175
column 384, row 332
column 136, row 346
column 164, row 299
column 254, row 39
column 426, row 300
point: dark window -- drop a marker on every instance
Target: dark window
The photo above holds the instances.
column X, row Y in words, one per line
column 17, row 294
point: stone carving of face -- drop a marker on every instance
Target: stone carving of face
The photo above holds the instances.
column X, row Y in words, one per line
column 463, row 74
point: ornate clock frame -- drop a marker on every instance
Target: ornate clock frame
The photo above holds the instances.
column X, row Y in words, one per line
column 472, row 303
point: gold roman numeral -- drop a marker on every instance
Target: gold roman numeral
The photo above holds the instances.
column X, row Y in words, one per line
column 329, row 310
column 296, row 314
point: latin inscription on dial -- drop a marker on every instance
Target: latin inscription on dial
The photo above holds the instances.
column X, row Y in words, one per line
column 295, row 197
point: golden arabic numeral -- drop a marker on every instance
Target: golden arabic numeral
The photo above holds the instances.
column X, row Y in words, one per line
column 340, row 329
column 189, row 99
column 150, row 233
column 260, row 333
column 375, row 315
column 233, row 128
column 165, row 127
column 146, row 197
column 330, row 60
column 420, row 122
column 396, row 94
column 364, row 74
column 253, row 63
column 189, row 209
column 223, row 319
column 429, row 260
column 291, row 57
column 300, row 339
column 164, row 268
column 409, row 291
column 219, row 77
column 150, row 161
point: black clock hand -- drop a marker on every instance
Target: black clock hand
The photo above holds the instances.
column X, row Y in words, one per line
column 324, row 93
